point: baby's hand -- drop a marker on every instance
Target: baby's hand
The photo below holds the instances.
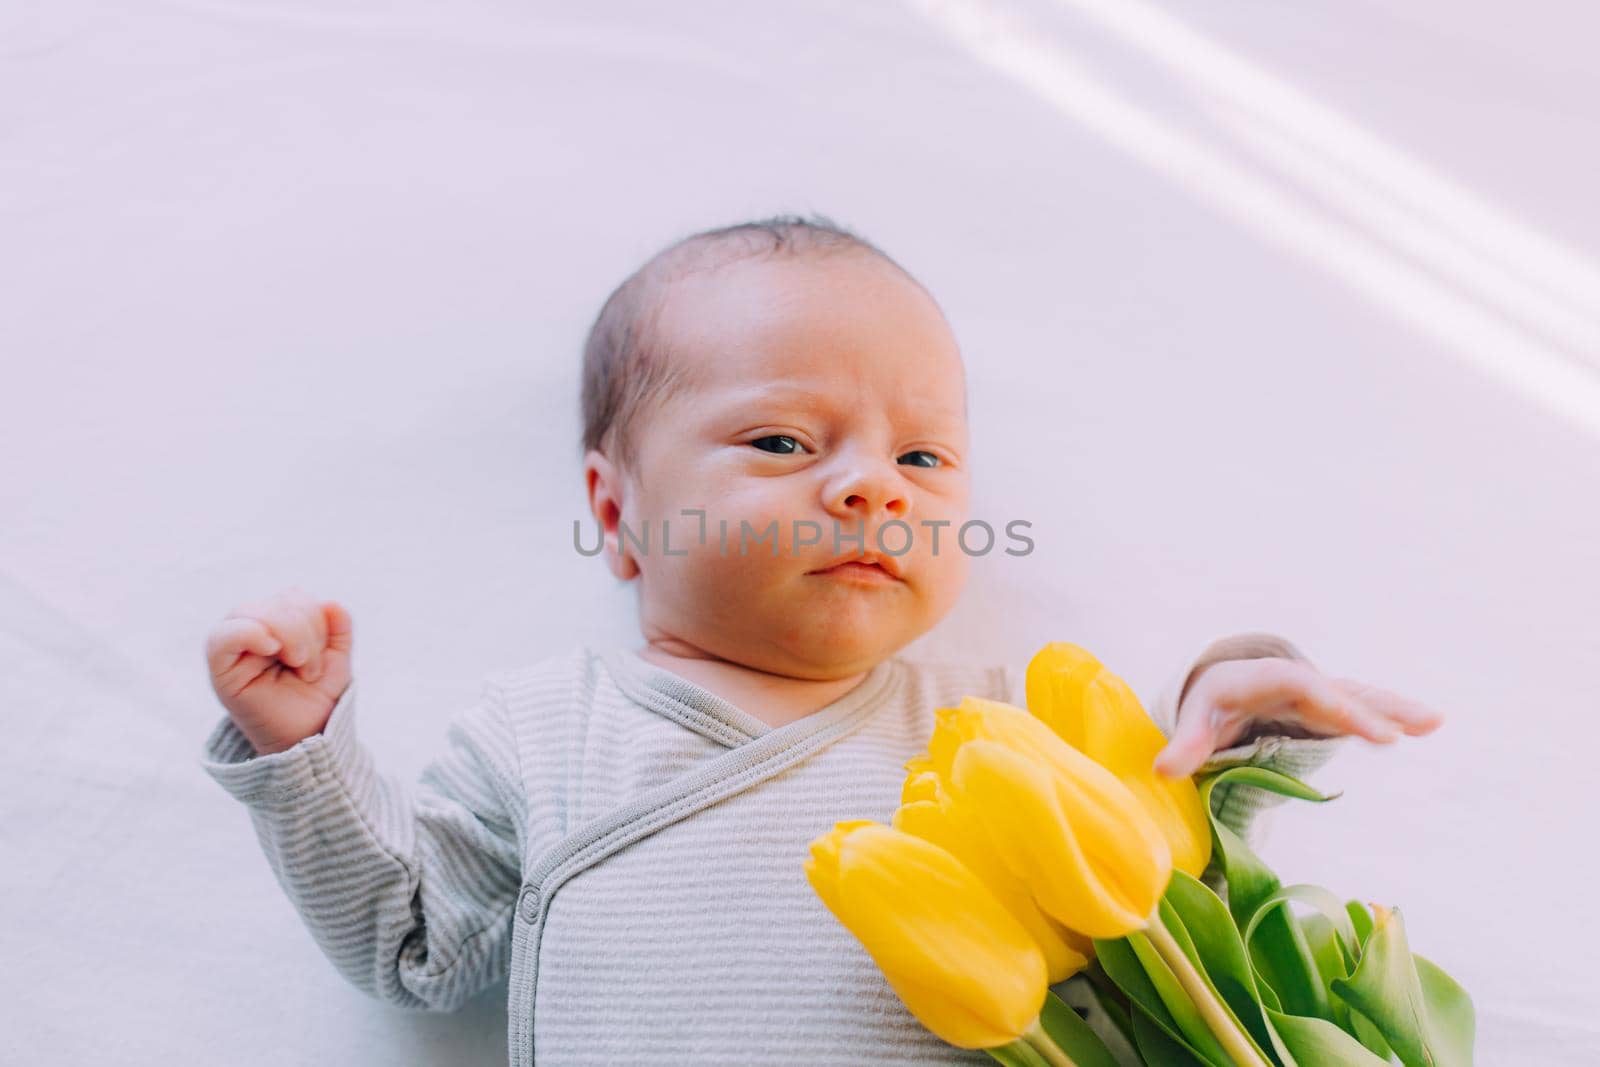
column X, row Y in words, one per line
column 279, row 666
column 1227, row 697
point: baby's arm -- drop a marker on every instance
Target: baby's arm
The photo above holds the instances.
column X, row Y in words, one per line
column 407, row 888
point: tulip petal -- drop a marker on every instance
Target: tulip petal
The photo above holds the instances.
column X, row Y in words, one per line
column 952, row 952
column 1093, row 856
column 1097, row 713
column 1054, row 686
column 938, row 820
column 1114, row 829
column 1020, row 807
column 1122, row 840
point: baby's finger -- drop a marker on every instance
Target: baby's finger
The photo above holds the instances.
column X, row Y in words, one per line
column 1412, row 716
column 235, row 636
column 1249, row 685
column 1192, row 742
column 314, row 622
column 340, row 628
column 286, row 622
column 1327, row 708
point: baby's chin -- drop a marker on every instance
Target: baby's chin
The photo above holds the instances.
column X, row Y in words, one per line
column 823, row 652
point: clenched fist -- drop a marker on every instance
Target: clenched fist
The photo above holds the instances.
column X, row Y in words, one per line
column 279, row 666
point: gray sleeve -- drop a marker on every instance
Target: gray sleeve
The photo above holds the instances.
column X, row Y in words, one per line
column 1286, row 749
column 408, row 888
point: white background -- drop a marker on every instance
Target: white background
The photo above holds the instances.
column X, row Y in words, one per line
column 294, row 293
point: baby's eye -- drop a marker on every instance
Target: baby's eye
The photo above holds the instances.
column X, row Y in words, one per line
column 786, row 445
column 933, row 460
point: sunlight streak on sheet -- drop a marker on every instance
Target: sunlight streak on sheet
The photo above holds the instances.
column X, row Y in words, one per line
column 1186, row 52
column 1489, row 341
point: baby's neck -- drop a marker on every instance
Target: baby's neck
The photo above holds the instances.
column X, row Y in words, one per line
column 774, row 699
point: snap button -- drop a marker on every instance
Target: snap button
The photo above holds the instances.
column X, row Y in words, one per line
column 530, row 904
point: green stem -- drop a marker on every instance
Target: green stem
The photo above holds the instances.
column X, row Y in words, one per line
column 1017, row 1053
column 1035, row 1036
column 1226, row 1030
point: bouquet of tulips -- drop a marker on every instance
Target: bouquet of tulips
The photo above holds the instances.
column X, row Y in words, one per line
column 1034, row 845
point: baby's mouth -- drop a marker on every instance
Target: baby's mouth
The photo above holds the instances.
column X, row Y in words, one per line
column 868, row 569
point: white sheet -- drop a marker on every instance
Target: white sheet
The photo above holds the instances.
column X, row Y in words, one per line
column 293, row 294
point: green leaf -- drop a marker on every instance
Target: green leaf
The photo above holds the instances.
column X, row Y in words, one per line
column 1331, row 961
column 1326, row 950
column 1158, row 1047
column 1218, row 950
column 1283, row 960
column 1319, row 1043
column 1280, row 955
column 1113, row 1001
column 1360, row 918
column 1368, row 1034
column 1272, row 781
column 1336, row 945
column 1072, row 1035
column 1332, row 910
column 1249, row 880
column 1125, row 967
column 1422, row 1012
column 1452, row 1023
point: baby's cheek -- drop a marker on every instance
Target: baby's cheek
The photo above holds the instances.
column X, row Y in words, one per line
column 944, row 577
column 710, row 571
column 756, row 527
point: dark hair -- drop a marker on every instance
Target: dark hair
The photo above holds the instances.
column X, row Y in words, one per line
column 625, row 360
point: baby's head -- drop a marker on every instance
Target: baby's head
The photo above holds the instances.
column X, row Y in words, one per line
column 792, row 382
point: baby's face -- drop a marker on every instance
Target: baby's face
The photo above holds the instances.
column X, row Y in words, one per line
column 829, row 390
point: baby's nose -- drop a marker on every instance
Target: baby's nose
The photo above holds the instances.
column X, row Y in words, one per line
column 894, row 505
column 867, row 493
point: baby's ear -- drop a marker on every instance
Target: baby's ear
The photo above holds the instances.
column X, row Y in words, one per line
column 603, row 481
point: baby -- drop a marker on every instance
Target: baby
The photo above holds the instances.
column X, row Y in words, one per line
column 776, row 450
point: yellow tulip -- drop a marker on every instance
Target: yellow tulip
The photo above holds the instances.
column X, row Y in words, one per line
column 1096, row 712
column 957, row 958
column 1064, row 825
column 926, row 811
